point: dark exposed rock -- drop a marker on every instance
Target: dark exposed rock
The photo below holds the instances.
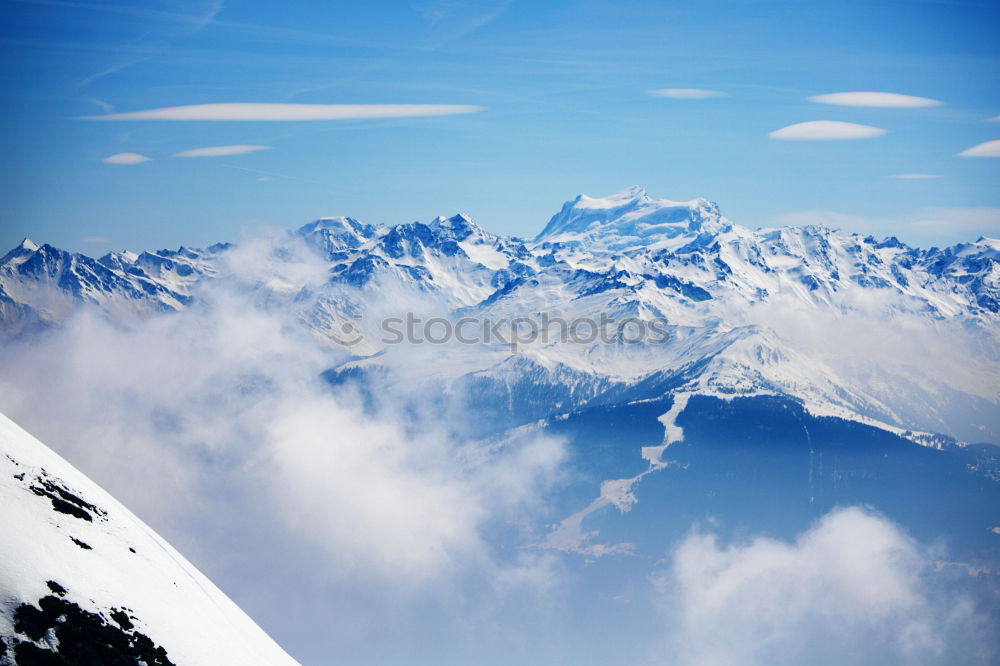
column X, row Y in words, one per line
column 82, row 638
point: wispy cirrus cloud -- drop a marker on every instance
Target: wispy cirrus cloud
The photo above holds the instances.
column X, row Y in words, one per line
column 200, row 13
column 986, row 149
column 827, row 130
column 456, row 18
column 107, row 108
column 915, row 176
column 126, row 159
column 687, row 93
column 143, row 24
column 221, row 151
column 876, row 99
column 95, row 240
column 269, row 112
column 994, row 119
column 107, row 71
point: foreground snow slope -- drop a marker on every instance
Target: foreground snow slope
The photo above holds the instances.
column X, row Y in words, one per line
column 67, row 543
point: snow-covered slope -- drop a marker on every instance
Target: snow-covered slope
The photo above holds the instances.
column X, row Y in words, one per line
column 82, row 576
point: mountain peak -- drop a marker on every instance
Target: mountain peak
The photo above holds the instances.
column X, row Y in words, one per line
column 458, row 227
column 629, row 213
column 339, row 224
column 335, row 234
column 629, row 195
column 20, row 253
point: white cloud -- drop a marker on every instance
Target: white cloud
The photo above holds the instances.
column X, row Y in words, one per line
column 994, row 119
column 915, row 176
column 95, row 239
column 220, row 151
column 983, row 220
column 126, row 159
column 917, row 363
column 987, row 149
column 878, row 99
column 687, row 93
column 227, row 391
column 852, row 589
column 924, row 227
column 826, row 130
column 289, row 112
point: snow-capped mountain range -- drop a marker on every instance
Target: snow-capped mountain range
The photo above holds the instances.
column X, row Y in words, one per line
column 747, row 312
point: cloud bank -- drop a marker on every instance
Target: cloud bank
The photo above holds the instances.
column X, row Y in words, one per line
column 875, row 99
column 126, row 159
column 853, row 589
column 227, row 392
column 221, row 151
column 826, row 130
column 263, row 112
column 983, row 220
column 687, row 93
column 987, row 149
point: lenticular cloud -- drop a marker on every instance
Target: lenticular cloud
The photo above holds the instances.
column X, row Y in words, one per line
column 687, row 93
column 987, row 149
column 875, row 99
column 828, row 130
column 289, row 112
column 126, row 159
column 221, row 151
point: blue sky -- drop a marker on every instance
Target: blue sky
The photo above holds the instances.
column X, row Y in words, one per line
column 566, row 109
